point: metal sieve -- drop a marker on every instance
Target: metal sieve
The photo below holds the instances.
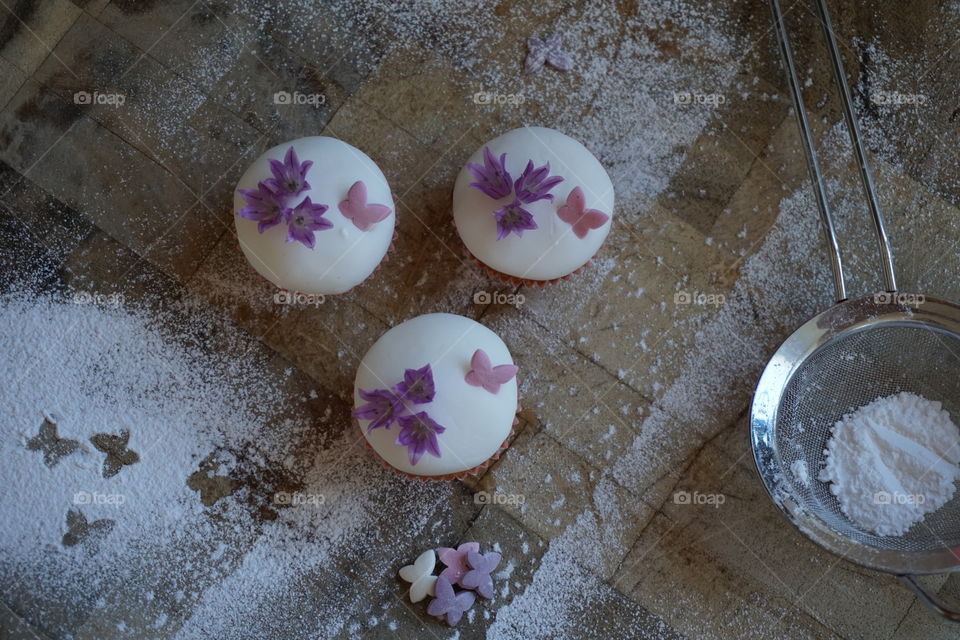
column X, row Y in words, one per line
column 845, row 357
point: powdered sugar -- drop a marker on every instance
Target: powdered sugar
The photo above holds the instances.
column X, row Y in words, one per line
column 193, row 417
column 892, row 461
column 800, row 472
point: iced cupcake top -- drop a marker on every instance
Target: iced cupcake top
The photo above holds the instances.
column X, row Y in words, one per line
column 436, row 395
column 533, row 204
column 314, row 215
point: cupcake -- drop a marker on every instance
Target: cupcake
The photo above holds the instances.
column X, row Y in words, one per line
column 314, row 215
column 436, row 396
column 533, row 205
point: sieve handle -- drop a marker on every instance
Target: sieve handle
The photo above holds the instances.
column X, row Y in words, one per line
column 853, row 127
column 809, row 149
column 929, row 599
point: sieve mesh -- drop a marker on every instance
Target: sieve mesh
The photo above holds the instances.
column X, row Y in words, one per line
column 853, row 369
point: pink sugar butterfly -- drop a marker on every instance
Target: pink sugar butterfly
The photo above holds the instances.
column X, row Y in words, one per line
column 356, row 209
column 582, row 220
column 482, row 374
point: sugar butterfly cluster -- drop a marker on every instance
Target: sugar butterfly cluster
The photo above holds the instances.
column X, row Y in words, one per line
column 467, row 574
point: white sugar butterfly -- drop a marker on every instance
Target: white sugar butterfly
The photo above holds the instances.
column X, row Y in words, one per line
column 419, row 575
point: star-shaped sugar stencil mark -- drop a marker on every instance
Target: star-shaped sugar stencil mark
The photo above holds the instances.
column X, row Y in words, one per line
column 54, row 447
column 118, row 455
column 82, row 531
column 549, row 51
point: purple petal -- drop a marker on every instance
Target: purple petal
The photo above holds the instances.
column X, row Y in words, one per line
column 303, row 236
column 513, row 218
column 263, row 206
column 417, row 386
column 492, row 178
column 535, row 183
column 431, row 444
column 381, row 409
column 405, row 437
column 276, row 168
column 263, row 225
column 415, row 451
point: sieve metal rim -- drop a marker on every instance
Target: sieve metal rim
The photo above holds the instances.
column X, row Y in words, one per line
column 837, row 322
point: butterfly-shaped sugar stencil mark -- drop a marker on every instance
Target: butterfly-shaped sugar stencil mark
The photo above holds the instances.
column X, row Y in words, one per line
column 448, row 603
column 118, row 455
column 53, row 447
column 575, row 213
column 483, row 374
column 356, row 209
column 81, row 531
column 420, row 575
column 481, row 566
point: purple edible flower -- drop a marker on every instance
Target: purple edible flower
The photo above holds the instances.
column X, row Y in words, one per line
column 448, row 604
column 478, row 578
column 264, row 206
column 381, row 409
column 303, row 220
column 492, row 178
column 289, row 176
column 418, row 433
column 535, row 184
column 515, row 218
column 417, row 386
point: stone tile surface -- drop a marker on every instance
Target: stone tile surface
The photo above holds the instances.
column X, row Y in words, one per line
column 627, row 504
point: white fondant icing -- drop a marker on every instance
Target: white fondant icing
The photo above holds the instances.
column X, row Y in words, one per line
column 343, row 256
column 420, row 575
column 476, row 421
column 552, row 250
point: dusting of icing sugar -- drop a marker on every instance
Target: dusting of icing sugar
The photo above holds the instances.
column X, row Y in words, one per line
column 187, row 410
